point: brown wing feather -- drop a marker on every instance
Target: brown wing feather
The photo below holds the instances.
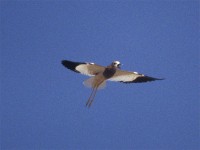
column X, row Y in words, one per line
column 89, row 69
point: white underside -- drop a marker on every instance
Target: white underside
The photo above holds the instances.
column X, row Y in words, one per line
column 83, row 69
column 124, row 78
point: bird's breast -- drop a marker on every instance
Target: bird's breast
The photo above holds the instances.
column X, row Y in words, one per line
column 109, row 72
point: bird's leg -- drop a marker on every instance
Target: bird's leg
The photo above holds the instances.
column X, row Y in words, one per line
column 92, row 98
column 94, row 90
column 88, row 101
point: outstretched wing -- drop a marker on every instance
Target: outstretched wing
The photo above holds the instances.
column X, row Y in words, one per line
column 89, row 69
column 131, row 77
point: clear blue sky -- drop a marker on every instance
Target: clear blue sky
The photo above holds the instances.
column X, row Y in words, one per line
column 43, row 103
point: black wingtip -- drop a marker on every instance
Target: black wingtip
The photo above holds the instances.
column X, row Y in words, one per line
column 146, row 79
column 70, row 64
column 142, row 79
column 160, row 78
column 63, row 62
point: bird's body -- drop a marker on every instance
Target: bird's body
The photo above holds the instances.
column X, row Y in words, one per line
column 100, row 74
column 109, row 72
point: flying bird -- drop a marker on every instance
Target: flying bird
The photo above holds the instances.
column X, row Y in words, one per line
column 100, row 74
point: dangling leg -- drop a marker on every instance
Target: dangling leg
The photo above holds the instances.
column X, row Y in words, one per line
column 94, row 90
column 92, row 99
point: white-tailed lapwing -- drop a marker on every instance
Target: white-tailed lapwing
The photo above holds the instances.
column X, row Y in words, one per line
column 101, row 74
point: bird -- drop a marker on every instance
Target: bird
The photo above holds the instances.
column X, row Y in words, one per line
column 100, row 74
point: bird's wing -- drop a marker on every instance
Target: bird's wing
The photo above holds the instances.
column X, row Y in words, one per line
column 131, row 77
column 89, row 69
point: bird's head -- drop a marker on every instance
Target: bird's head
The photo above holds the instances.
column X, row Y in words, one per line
column 116, row 64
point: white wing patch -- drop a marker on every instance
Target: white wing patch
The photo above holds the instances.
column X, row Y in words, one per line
column 124, row 78
column 83, row 68
column 136, row 72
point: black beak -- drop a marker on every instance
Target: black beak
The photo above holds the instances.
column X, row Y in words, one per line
column 119, row 66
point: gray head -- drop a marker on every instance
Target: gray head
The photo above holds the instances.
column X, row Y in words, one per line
column 116, row 64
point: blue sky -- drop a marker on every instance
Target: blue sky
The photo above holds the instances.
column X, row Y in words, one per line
column 43, row 103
